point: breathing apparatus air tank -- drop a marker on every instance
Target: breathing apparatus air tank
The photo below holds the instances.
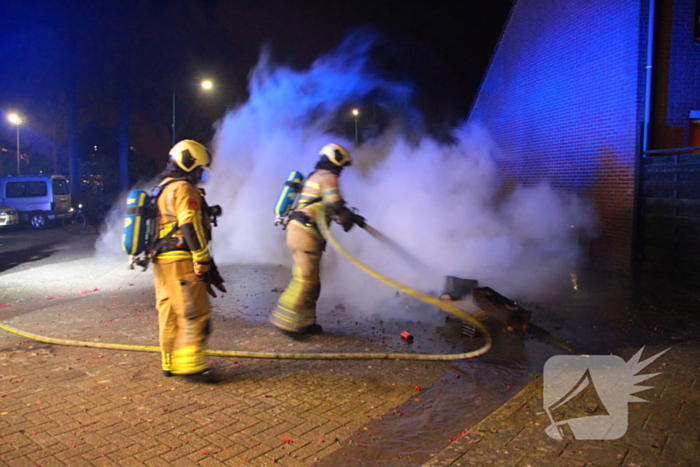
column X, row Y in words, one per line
column 135, row 222
column 288, row 196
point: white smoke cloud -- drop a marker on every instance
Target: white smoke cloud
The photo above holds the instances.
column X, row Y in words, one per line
column 437, row 202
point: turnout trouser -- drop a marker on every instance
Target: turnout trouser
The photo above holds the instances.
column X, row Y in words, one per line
column 183, row 316
column 296, row 307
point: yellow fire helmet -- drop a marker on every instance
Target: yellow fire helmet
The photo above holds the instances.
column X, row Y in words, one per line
column 188, row 155
column 336, row 154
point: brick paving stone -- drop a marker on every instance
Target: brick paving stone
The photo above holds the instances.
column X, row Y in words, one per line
column 210, row 462
column 490, row 456
column 148, row 453
column 680, row 446
column 157, row 462
column 178, row 452
column 55, row 449
column 535, row 438
column 43, row 440
column 595, row 452
column 14, row 461
column 637, row 458
column 649, row 441
column 17, row 440
column 232, row 451
column 48, row 461
column 252, row 453
column 101, row 451
column 126, row 462
column 540, row 460
column 22, row 461
column 125, row 411
column 282, row 430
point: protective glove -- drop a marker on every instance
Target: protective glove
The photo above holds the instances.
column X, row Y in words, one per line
column 213, row 278
column 346, row 222
column 202, row 268
column 359, row 220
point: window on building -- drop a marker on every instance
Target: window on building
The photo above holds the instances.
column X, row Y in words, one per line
column 694, row 129
column 697, row 21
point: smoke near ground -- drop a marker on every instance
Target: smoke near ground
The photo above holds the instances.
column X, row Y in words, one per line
column 437, row 202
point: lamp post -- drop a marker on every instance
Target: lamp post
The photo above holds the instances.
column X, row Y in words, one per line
column 205, row 84
column 16, row 120
column 356, row 114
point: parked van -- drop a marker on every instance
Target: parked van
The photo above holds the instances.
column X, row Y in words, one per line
column 39, row 199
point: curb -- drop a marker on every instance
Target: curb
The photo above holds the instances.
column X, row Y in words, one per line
column 472, row 436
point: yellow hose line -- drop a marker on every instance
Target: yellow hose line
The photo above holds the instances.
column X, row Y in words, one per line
column 242, row 354
column 97, row 345
column 445, row 306
column 441, row 304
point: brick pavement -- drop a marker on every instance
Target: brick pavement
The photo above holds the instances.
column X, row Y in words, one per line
column 74, row 406
column 78, row 406
column 662, row 432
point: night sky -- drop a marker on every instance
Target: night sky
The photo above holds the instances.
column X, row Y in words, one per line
column 101, row 51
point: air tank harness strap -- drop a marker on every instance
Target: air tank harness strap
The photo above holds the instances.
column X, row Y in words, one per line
column 304, row 219
column 159, row 243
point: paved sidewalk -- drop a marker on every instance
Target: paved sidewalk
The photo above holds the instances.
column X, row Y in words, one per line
column 73, row 406
column 662, row 432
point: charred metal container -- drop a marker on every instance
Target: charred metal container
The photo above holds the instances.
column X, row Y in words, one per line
column 502, row 309
column 458, row 288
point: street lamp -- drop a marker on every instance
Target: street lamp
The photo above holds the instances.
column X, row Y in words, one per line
column 17, row 121
column 356, row 114
column 205, row 84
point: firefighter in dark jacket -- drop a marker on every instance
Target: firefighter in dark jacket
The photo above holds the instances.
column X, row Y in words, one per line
column 182, row 264
column 295, row 312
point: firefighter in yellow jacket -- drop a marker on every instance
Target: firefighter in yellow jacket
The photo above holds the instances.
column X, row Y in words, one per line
column 182, row 264
column 295, row 312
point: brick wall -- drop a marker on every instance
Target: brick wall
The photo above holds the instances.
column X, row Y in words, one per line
column 563, row 98
column 677, row 73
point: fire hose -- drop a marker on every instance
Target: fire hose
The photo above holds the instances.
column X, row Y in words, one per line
column 322, row 222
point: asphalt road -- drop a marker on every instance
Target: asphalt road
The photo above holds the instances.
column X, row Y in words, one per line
column 22, row 247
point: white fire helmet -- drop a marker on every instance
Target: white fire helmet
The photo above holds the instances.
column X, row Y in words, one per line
column 189, row 154
column 336, row 154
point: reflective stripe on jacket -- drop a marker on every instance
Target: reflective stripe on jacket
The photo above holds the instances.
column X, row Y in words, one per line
column 319, row 190
column 180, row 204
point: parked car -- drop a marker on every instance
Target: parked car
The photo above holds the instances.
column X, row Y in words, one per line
column 39, row 199
column 8, row 216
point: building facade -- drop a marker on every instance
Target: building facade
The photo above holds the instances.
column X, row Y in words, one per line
column 577, row 90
